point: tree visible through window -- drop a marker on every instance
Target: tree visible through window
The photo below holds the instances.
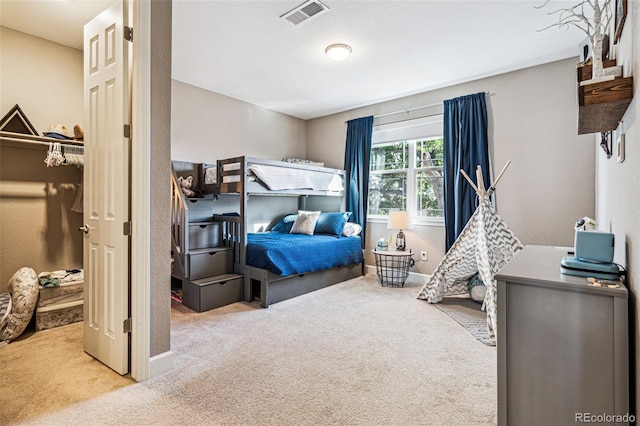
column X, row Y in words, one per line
column 429, row 177
column 407, row 175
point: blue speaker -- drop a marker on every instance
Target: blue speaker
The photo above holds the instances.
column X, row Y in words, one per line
column 594, row 246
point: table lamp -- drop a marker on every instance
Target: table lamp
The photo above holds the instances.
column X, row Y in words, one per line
column 400, row 219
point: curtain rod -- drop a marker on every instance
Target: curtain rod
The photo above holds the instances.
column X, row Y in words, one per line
column 408, row 110
column 409, row 119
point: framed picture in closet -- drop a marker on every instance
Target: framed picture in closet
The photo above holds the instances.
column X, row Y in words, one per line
column 15, row 121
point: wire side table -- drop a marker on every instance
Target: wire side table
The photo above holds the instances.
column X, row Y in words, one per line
column 392, row 267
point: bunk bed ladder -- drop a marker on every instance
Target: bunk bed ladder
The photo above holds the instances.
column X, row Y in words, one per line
column 179, row 228
column 203, row 272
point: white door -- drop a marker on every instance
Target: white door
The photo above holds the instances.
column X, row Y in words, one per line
column 106, row 180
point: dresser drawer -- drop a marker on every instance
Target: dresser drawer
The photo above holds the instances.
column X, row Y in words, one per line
column 210, row 262
column 203, row 295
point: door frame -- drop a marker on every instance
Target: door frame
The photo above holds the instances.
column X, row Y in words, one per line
column 147, row 14
column 140, row 193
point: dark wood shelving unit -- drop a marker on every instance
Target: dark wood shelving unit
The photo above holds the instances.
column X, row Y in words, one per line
column 584, row 70
column 601, row 105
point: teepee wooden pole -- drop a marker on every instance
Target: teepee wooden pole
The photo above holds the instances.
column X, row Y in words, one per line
column 480, row 181
column 492, row 188
column 470, row 181
column 504, row 169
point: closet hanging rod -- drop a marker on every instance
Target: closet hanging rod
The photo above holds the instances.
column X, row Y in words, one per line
column 39, row 140
column 63, row 144
column 408, row 110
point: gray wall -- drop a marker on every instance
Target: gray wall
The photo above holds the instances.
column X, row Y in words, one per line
column 532, row 122
column 618, row 197
column 207, row 126
column 160, row 244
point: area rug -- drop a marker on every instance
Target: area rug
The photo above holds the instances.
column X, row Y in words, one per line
column 468, row 314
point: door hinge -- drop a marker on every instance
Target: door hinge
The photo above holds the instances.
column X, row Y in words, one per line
column 126, row 325
column 128, row 33
column 126, row 228
column 127, row 130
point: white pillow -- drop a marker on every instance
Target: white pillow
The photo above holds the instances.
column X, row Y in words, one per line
column 477, row 293
column 305, row 222
column 351, row 228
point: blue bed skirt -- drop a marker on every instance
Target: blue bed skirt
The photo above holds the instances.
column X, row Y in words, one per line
column 293, row 254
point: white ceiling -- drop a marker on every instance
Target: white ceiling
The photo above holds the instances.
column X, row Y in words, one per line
column 243, row 49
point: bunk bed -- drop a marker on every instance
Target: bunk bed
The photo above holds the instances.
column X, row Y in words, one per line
column 264, row 189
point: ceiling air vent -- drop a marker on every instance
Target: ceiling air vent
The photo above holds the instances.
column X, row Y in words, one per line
column 304, row 11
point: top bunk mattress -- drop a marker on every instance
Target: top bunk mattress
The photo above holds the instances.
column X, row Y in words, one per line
column 291, row 254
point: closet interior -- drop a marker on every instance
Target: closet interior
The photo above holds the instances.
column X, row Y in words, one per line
column 41, row 200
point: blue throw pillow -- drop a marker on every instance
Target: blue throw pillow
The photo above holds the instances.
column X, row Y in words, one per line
column 332, row 223
column 285, row 224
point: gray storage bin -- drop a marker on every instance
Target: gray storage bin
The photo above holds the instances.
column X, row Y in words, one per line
column 206, row 294
column 210, row 262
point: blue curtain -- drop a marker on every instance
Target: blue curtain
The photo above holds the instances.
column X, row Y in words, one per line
column 356, row 164
column 465, row 147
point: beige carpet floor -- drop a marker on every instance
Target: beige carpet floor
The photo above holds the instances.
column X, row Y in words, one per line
column 356, row 353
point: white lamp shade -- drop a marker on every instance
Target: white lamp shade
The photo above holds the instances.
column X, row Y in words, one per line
column 399, row 219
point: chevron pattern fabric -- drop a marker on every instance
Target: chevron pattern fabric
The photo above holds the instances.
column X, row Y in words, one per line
column 485, row 245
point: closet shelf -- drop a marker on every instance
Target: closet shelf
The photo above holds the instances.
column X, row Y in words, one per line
column 41, row 140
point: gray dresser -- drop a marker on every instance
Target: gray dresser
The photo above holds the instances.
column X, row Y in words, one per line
column 562, row 344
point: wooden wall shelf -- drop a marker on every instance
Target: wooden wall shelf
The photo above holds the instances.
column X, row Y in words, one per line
column 584, row 70
column 602, row 105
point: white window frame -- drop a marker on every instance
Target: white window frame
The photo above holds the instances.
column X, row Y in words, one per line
column 418, row 131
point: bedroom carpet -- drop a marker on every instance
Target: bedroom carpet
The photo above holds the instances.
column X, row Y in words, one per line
column 355, row 353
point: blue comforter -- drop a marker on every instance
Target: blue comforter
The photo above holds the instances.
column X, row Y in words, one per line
column 289, row 254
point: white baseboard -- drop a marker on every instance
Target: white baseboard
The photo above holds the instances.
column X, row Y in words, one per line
column 160, row 364
column 414, row 277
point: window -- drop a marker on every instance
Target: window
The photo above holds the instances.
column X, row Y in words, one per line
column 407, row 174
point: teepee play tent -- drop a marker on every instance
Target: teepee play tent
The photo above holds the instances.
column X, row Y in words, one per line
column 484, row 246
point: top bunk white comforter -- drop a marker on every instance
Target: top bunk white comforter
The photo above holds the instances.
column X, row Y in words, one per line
column 281, row 178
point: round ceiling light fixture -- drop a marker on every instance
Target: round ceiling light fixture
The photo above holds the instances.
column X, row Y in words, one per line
column 338, row 51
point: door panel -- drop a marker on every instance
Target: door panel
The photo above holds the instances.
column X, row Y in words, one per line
column 106, row 179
